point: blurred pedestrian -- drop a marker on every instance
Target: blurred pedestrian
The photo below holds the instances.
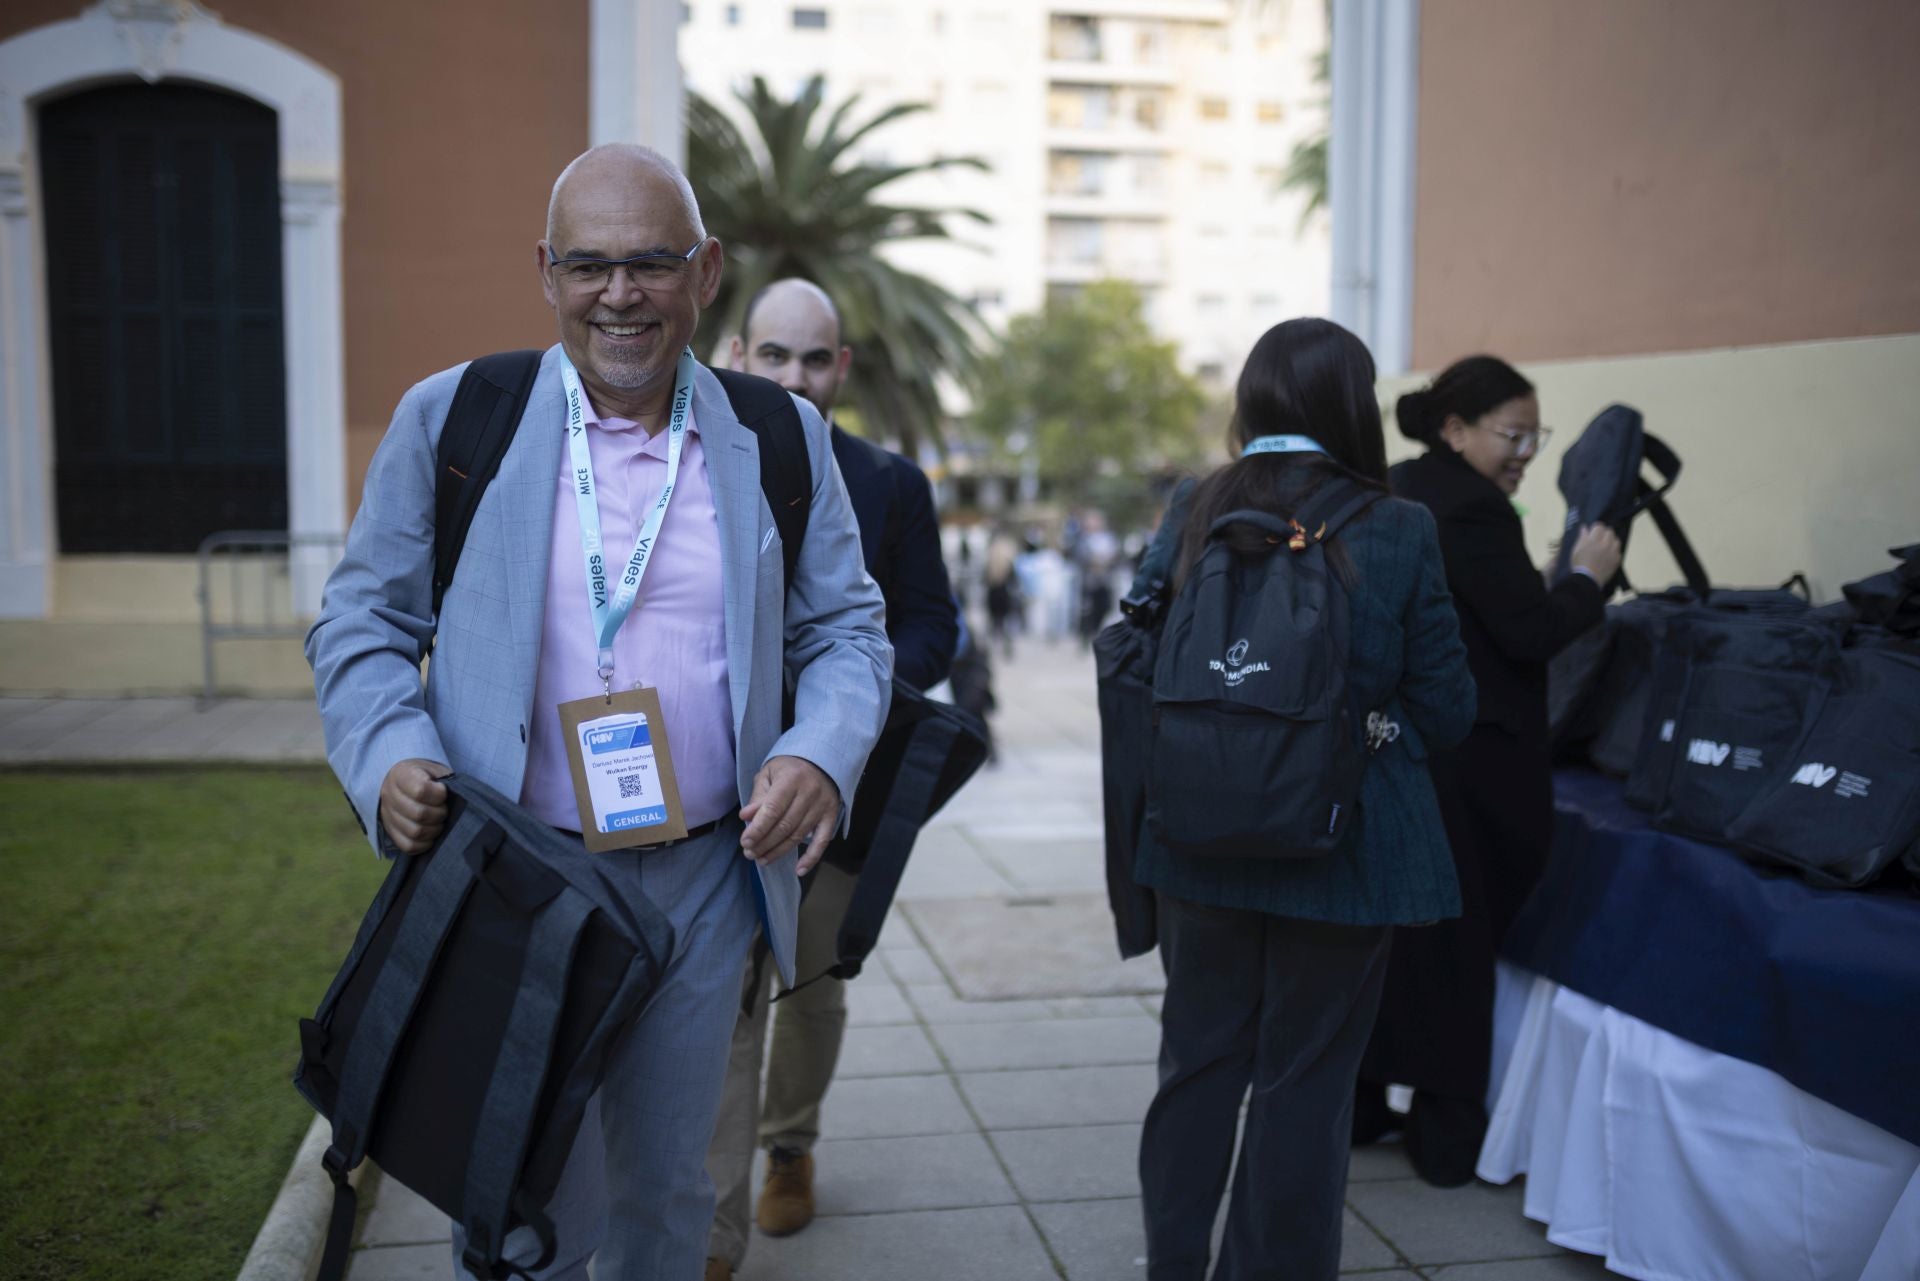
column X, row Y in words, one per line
column 1006, row 604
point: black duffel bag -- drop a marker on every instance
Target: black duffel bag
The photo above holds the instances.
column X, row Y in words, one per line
column 1845, row 804
column 1600, row 685
column 470, row 1024
column 926, row 751
column 1731, row 695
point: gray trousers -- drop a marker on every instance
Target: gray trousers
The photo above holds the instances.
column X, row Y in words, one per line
column 807, row 1029
column 1284, row 1006
column 634, row 1196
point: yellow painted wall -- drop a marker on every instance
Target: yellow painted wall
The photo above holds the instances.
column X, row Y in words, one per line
column 1795, row 458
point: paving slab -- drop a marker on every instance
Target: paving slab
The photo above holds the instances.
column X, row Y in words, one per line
column 1379, row 1161
column 886, row 1051
column 1077, row 1164
column 878, row 1107
column 945, row 864
column 400, row 1263
column 912, row 965
column 401, row 1216
column 1096, row 1240
column 1037, row 945
column 1053, row 1097
column 1560, row 1267
column 921, row 1172
column 1473, row 1224
column 973, row 1047
column 997, row 1244
column 11, row 709
column 873, row 1000
column 936, row 1003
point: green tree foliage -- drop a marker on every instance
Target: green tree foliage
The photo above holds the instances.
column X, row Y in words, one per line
column 787, row 198
column 1088, row 390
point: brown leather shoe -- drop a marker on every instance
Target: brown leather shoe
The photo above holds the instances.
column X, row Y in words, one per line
column 719, row 1270
column 786, row 1199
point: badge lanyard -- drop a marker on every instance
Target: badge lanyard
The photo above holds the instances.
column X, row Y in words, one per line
column 1282, row 445
column 611, row 607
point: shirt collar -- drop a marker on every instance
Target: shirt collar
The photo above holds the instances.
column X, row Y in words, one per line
column 607, row 422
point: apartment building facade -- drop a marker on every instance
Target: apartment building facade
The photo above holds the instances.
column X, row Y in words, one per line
column 1143, row 140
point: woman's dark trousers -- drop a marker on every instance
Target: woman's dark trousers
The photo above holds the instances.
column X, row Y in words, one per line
column 1283, row 1005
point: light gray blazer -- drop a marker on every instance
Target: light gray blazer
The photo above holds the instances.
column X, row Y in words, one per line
column 376, row 616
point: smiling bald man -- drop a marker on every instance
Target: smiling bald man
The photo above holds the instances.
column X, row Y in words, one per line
column 713, row 628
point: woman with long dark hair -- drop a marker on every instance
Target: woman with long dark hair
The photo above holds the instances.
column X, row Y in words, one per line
column 1480, row 421
column 1274, row 966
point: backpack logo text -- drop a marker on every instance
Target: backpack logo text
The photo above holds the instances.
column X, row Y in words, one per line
column 1236, row 668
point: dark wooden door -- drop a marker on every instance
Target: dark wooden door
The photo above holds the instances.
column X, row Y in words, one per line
column 163, row 287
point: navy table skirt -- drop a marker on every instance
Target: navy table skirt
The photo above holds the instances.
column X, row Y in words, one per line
column 1820, row 986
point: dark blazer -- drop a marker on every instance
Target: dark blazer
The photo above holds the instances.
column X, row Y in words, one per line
column 1511, row 623
column 1405, row 657
column 900, row 540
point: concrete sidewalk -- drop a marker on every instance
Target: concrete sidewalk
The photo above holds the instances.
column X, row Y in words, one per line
column 996, row 1140
column 986, row 1116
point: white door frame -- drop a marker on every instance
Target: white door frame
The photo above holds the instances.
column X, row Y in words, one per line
column 155, row 41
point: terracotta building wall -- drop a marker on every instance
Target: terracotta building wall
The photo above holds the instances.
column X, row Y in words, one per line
column 458, row 115
column 1635, row 176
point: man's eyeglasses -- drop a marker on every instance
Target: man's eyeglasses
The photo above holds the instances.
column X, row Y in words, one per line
column 1522, row 444
column 647, row 271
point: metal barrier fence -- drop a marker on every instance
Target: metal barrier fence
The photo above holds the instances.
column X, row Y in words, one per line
column 259, row 585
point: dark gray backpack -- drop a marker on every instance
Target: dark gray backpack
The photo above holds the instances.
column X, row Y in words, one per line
column 1256, row 748
column 468, row 1027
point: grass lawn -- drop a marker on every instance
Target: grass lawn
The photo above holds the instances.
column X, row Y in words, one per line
column 161, row 934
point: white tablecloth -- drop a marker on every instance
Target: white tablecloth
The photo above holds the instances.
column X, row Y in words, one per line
column 1678, row 1164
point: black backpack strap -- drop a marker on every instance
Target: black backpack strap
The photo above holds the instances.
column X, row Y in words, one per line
column 1337, row 502
column 766, row 409
column 480, row 424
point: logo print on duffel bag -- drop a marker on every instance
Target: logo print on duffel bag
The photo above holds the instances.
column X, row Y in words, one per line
column 1815, row 775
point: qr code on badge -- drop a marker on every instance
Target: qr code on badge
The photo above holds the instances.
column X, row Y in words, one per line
column 629, row 787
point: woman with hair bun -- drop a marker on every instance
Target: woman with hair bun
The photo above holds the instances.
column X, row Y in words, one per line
column 1480, row 421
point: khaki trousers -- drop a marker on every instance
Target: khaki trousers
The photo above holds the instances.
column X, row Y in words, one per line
column 807, row 1028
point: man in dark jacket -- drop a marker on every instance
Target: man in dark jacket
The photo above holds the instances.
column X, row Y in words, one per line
column 791, row 334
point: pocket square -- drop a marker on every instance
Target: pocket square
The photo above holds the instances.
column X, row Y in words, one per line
column 766, row 540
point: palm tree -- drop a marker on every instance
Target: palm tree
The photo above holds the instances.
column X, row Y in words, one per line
column 789, row 201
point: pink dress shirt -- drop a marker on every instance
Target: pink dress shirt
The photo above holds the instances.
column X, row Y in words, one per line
column 674, row 640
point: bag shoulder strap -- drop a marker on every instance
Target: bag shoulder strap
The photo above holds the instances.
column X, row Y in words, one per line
column 786, row 474
column 1336, row 503
column 480, row 425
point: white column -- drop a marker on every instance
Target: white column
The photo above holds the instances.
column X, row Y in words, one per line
column 26, row 495
column 635, row 60
column 315, row 364
column 1371, row 167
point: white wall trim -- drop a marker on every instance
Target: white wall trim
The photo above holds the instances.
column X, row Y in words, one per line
column 156, row 40
column 1371, row 166
column 635, row 95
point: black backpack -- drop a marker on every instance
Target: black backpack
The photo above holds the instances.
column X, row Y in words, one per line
column 486, row 411
column 1600, row 477
column 1256, row 748
column 469, row 1025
